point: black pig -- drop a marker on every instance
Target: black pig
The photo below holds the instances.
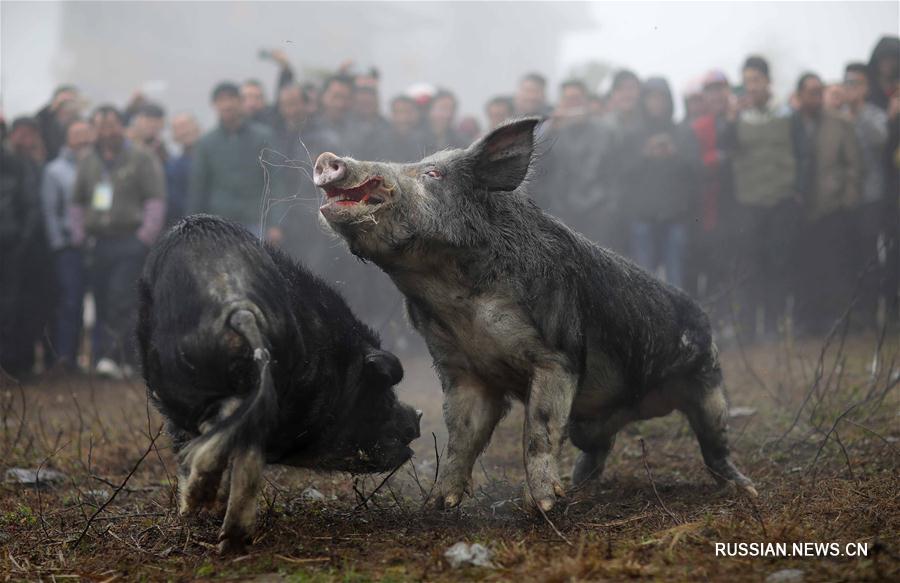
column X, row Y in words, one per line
column 513, row 304
column 253, row 360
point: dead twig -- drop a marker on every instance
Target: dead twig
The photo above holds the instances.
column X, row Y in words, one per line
column 837, row 438
column 617, row 522
column 37, row 485
column 377, row 488
column 118, row 489
column 653, row 484
column 302, row 561
column 437, row 467
column 535, row 503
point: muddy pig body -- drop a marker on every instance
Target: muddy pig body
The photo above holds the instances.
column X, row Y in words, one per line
column 514, row 305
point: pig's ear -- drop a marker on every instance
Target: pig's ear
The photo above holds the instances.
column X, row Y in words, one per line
column 502, row 157
column 384, row 366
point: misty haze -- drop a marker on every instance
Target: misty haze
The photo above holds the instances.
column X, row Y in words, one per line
column 431, row 291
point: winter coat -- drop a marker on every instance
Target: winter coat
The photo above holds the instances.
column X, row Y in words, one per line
column 226, row 178
column 660, row 189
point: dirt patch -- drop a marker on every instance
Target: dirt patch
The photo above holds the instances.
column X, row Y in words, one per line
column 820, row 438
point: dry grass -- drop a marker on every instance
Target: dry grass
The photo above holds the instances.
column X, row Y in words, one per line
column 822, row 448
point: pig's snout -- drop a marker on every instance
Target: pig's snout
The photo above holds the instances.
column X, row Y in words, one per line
column 329, row 169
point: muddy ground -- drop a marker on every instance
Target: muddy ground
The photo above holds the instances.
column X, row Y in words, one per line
column 820, row 439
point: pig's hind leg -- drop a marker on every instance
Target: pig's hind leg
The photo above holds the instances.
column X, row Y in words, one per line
column 707, row 413
column 590, row 463
column 203, row 462
column 245, row 476
column 199, row 474
column 595, row 437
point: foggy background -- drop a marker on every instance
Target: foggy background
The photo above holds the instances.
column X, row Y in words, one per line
column 175, row 51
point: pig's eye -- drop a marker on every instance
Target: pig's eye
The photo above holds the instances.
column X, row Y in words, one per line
column 434, row 173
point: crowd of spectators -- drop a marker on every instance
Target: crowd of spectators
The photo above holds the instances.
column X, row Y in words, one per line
column 779, row 215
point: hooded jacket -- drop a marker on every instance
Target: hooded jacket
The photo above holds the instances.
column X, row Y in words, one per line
column 886, row 47
column 660, row 189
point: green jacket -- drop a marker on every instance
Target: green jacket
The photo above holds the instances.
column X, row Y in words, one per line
column 226, row 177
column 764, row 165
column 137, row 197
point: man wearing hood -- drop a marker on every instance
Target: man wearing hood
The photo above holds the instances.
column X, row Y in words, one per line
column 660, row 180
column 884, row 71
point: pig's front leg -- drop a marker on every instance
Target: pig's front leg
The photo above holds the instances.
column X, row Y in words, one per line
column 546, row 415
column 470, row 413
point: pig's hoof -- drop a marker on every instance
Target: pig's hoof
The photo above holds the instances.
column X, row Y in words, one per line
column 448, row 493
column 545, row 505
column 234, row 544
column 727, row 474
column 232, row 547
column 440, row 501
column 749, row 489
column 543, row 497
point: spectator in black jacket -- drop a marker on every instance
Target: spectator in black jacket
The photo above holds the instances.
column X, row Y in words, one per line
column 660, row 176
column 24, row 264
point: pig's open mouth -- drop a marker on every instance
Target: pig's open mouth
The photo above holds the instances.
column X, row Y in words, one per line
column 370, row 192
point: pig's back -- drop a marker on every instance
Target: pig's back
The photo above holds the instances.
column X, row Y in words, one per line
column 595, row 299
column 200, row 272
